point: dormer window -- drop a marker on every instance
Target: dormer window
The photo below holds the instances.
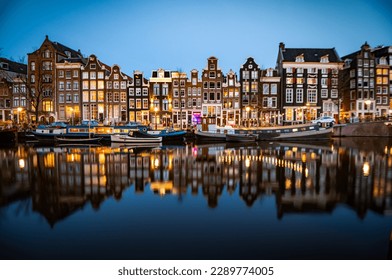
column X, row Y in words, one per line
column 383, row 60
column 300, row 58
column 324, row 59
column 68, row 54
column 4, row 66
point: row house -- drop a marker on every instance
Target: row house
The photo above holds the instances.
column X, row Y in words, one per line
column 13, row 92
column 138, row 99
column 270, row 97
column 161, row 97
column 212, row 79
column 194, row 104
column 366, row 82
column 309, row 83
column 42, row 78
column 250, row 92
column 105, row 91
column 68, row 72
column 231, row 107
column 179, row 85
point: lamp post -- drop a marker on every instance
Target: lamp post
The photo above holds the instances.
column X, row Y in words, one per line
column 19, row 110
column 367, row 102
column 247, row 114
column 156, row 120
column 72, row 116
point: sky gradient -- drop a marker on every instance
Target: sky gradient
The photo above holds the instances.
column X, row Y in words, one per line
column 181, row 35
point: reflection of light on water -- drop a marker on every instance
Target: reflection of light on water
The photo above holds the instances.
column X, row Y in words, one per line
column 247, row 162
column 22, row 163
column 366, row 169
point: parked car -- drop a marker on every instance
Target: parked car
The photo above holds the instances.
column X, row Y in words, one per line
column 330, row 121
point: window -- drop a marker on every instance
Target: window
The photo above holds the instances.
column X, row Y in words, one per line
column 93, row 75
column 265, row 88
column 289, row 95
column 255, row 75
column 116, row 97
column 100, row 75
column 299, row 58
column 93, row 96
column 299, row 95
column 312, row 96
column 312, row 81
column 274, row 88
column 324, row 93
column 85, row 75
column 145, row 91
column 68, row 74
column 300, row 81
column 75, row 73
column 352, row 73
column 93, row 85
column 101, row 84
column 61, row 74
column 254, row 87
column 138, row 104
column 101, row 97
column 32, row 66
column 334, row 93
column 165, row 89
column 138, row 92
column 116, row 85
column 131, row 104
column 47, row 106
column 245, row 75
column 212, row 74
column 61, row 85
column 123, row 85
column 68, row 86
column 145, row 103
column 68, row 98
column 75, row 85
column 289, row 81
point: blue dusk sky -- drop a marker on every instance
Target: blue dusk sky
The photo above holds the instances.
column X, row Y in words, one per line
column 181, row 35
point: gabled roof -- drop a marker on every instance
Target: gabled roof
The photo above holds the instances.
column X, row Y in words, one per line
column 310, row 55
column 61, row 49
column 13, row 66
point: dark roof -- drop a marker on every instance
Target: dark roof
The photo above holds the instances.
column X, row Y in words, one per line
column 310, row 55
column 13, row 66
column 62, row 49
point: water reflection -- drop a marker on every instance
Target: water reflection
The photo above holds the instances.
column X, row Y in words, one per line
column 302, row 178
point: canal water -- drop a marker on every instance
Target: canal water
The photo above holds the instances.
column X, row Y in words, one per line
column 198, row 201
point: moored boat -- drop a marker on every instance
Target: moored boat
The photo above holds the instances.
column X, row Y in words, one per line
column 168, row 134
column 214, row 133
column 241, row 137
column 135, row 138
column 72, row 140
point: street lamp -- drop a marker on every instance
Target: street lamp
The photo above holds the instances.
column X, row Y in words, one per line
column 247, row 114
column 72, row 116
column 367, row 102
column 19, row 110
column 156, row 120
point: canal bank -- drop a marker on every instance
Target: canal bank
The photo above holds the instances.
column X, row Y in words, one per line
column 364, row 129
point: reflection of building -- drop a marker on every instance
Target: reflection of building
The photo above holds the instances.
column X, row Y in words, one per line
column 303, row 178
